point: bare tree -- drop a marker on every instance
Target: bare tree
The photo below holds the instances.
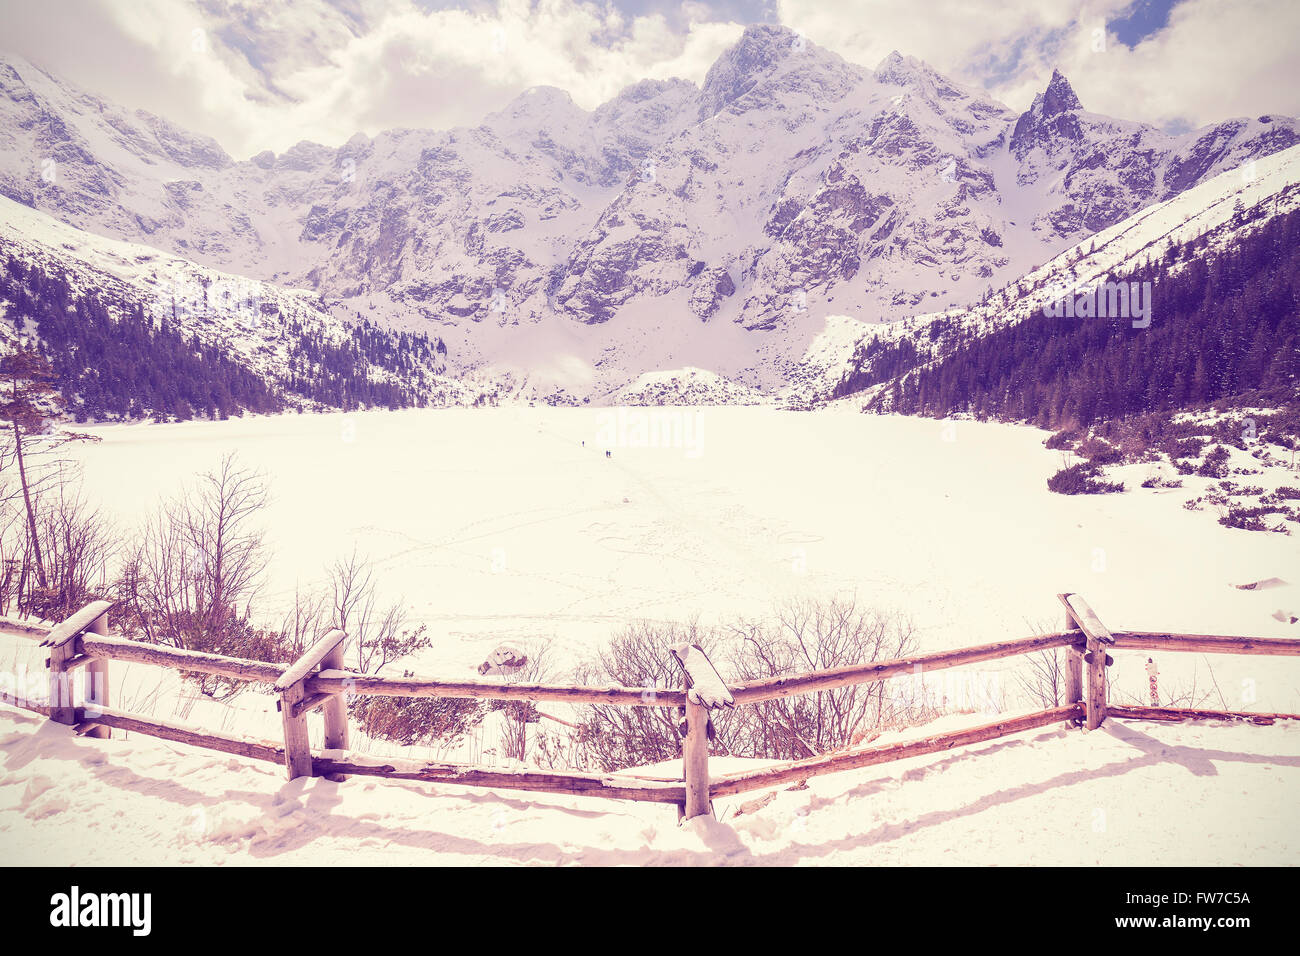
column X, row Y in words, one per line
column 80, row 543
column 352, row 587
column 226, row 547
column 1043, row 677
column 30, row 401
column 377, row 632
column 30, row 406
column 197, row 566
column 378, row 635
column 304, row 621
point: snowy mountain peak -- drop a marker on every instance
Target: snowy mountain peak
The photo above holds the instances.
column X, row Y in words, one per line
column 1059, row 96
column 68, row 124
column 899, row 70
column 644, row 90
column 1051, row 117
column 739, row 69
column 537, row 102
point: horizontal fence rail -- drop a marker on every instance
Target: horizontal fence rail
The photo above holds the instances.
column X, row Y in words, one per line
column 1206, row 643
column 773, row 687
column 318, row 682
column 797, row 770
column 182, row 734
column 617, row 786
column 1138, row 712
column 340, row 681
column 196, row 662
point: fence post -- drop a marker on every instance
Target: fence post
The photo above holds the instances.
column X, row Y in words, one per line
column 297, row 745
column 1073, row 668
column 294, row 705
column 96, row 691
column 336, row 711
column 705, row 691
column 1098, row 639
column 695, row 760
column 64, row 658
column 62, row 706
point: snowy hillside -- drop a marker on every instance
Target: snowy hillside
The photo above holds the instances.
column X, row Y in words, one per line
column 258, row 324
column 1233, row 202
column 688, row 386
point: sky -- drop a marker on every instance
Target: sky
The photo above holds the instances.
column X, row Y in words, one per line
column 265, row 74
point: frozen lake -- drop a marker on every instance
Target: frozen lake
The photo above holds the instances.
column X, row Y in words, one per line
column 501, row 524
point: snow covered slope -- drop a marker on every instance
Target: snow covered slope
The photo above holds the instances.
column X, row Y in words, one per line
column 1232, row 202
column 709, row 512
column 258, row 324
column 687, row 386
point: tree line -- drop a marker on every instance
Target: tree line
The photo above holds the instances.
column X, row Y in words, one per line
column 1225, row 325
column 114, row 360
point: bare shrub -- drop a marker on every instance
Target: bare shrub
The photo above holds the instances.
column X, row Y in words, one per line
column 378, row 635
column 1185, row 693
column 808, row 635
column 1042, row 676
column 800, row 636
column 611, row 737
column 54, row 546
column 79, row 544
column 305, row 620
column 518, row 715
column 417, row 720
column 198, row 559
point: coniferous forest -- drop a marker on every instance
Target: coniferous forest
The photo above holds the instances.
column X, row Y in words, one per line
column 116, row 361
column 1225, row 325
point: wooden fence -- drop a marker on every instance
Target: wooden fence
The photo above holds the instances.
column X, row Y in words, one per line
column 317, row 681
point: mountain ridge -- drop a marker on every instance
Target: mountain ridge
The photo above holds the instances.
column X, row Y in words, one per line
column 637, row 236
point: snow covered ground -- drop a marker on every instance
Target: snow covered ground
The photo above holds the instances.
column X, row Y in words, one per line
column 502, row 525
column 512, row 525
column 1132, row 793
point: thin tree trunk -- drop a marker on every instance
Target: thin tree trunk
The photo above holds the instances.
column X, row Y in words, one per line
column 31, row 513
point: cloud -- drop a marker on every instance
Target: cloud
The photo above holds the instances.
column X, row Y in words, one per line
column 1213, row 59
column 267, row 75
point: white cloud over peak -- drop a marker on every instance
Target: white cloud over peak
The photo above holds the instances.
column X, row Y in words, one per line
column 267, row 76
column 1213, row 60
column 263, row 75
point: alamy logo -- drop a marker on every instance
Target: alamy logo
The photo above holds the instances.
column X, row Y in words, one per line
column 1113, row 300
column 102, row 909
column 654, row 427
